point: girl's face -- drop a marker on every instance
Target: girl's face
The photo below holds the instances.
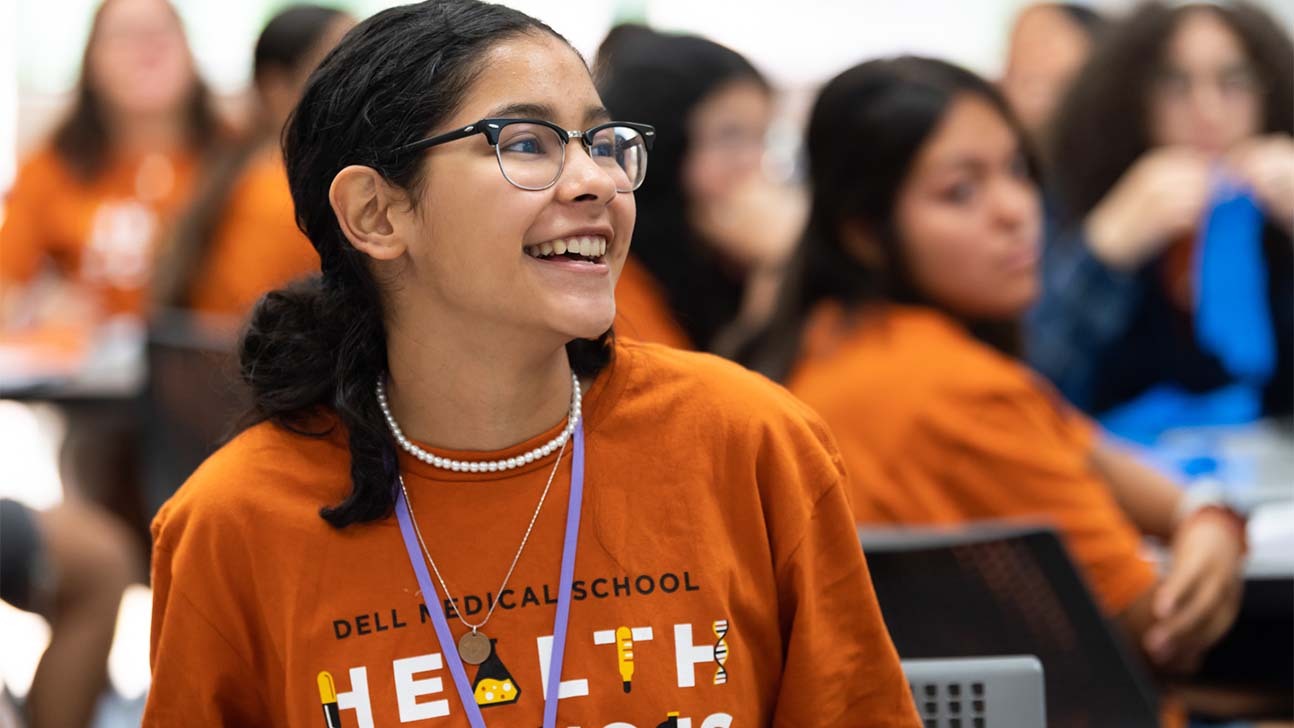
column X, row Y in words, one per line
column 1047, row 51
column 727, row 132
column 969, row 215
column 139, row 60
column 1207, row 93
column 468, row 248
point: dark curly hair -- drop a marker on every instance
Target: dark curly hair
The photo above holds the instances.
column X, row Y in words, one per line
column 1101, row 126
column 319, row 346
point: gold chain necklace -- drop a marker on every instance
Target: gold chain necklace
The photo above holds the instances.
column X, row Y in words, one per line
column 475, row 647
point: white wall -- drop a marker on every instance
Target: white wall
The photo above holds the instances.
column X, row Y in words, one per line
column 798, row 43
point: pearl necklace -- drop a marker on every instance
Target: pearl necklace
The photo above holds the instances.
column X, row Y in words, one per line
column 490, row 466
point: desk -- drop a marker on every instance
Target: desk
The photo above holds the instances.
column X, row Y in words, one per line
column 71, row 366
column 1253, row 463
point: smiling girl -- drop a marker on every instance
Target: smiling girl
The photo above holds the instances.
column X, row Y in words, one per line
column 601, row 533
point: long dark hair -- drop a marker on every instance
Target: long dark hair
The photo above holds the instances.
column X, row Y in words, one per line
column 1101, row 127
column 643, row 74
column 866, row 129
column 82, row 140
column 284, row 45
column 319, row 346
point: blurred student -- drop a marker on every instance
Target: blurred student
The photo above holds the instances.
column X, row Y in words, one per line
column 87, row 209
column 919, row 258
column 1048, row 46
column 88, row 205
column 239, row 238
column 1183, row 114
column 69, row 564
column 713, row 231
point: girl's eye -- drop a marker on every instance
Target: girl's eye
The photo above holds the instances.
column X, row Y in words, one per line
column 960, row 193
column 524, row 145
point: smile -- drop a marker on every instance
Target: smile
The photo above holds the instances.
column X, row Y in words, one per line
column 587, row 247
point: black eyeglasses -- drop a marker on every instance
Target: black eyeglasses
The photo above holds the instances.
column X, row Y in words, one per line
column 532, row 152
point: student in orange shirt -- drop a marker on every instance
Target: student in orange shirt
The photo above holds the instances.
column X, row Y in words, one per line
column 82, row 221
column 89, row 204
column 239, row 238
column 650, row 537
column 715, row 232
column 921, row 254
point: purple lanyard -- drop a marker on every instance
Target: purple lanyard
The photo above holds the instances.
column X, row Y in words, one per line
column 447, row 644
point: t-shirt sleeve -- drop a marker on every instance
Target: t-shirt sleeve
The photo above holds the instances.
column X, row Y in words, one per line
column 22, row 242
column 1018, row 453
column 200, row 678
column 841, row 666
column 839, row 661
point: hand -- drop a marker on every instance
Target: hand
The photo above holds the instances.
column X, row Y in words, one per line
column 756, row 225
column 1161, row 197
column 1200, row 597
column 1267, row 165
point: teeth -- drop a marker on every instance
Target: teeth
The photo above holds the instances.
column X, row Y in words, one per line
column 587, row 246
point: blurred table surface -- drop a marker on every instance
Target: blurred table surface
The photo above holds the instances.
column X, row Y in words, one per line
column 1253, row 465
column 74, row 364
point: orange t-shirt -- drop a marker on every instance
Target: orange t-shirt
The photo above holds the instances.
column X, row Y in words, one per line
column 101, row 233
column 715, row 533
column 257, row 246
column 642, row 312
column 953, row 431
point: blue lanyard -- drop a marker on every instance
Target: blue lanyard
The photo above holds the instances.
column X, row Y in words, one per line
column 560, row 625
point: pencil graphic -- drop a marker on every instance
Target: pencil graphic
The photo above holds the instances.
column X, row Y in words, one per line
column 328, row 696
column 625, row 656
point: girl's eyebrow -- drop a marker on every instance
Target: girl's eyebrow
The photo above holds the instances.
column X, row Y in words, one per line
column 592, row 114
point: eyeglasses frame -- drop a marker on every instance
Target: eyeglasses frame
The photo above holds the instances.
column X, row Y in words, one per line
column 492, row 127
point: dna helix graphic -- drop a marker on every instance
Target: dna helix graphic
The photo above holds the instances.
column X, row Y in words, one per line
column 720, row 651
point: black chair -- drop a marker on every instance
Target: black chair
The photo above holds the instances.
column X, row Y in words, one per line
column 192, row 399
column 1009, row 590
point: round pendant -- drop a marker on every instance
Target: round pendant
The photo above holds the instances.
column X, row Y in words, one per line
column 474, row 648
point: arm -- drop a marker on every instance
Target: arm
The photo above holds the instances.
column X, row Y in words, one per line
column 30, row 239
column 1150, row 498
column 1195, row 603
column 199, row 677
column 1067, row 332
column 1090, row 269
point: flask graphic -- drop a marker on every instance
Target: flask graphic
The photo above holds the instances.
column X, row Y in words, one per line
column 494, row 684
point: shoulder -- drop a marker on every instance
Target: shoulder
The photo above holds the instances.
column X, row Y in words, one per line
column 909, row 355
column 720, row 405
column 267, row 475
column 705, row 383
column 43, row 168
column 905, row 370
